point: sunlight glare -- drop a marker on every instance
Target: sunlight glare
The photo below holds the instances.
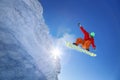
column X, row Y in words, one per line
column 56, row 52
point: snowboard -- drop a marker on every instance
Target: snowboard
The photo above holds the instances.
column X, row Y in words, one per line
column 78, row 48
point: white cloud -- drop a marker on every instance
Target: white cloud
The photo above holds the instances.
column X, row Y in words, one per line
column 63, row 30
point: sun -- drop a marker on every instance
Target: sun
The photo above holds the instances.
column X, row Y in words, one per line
column 56, row 52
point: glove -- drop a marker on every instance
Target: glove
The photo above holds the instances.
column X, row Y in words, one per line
column 79, row 24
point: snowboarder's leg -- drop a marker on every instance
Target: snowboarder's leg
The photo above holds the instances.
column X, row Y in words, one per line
column 78, row 41
column 86, row 45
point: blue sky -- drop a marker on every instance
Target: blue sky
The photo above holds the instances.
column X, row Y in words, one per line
column 100, row 16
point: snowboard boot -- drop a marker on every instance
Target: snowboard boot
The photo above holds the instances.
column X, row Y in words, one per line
column 75, row 44
column 87, row 49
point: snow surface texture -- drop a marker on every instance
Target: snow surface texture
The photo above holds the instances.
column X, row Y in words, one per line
column 25, row 42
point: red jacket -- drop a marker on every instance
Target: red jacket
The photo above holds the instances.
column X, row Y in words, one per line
column 87, row 37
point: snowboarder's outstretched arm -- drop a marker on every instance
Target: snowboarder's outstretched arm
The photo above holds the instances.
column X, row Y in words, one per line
column 93, row 44
column 83, row 30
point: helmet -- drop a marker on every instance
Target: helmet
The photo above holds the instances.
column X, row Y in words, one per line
column 92, row 34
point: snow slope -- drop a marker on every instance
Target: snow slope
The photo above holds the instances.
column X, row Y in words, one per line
column 25, row 42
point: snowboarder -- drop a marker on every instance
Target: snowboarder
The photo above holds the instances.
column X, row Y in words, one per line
column 88, row 39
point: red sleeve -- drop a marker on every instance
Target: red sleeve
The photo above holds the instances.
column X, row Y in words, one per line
column 83, row 30
column 93, row 44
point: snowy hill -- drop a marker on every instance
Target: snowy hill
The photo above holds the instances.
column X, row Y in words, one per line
column 25, row 42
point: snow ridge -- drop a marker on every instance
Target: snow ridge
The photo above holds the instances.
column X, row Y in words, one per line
column 25, row 42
